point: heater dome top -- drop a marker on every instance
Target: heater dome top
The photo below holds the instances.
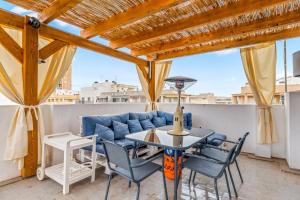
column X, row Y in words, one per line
column 180, row 78
column 180, row 82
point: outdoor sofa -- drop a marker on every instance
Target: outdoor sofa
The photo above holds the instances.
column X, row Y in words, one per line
column 114, row 128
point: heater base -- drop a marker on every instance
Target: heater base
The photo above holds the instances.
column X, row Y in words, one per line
column 176, row 133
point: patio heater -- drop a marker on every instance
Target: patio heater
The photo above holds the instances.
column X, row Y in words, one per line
column 180, row 83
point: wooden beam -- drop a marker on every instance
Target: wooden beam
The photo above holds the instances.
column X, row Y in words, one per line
column 11, row 45
column 286, row 18
column 144, row 69
column 133, row 14
column 30, row 85
column 57, row 8
column 284, row 34
column 230, row 10
column 13, row 20
column 50, row 49
column 56, row 34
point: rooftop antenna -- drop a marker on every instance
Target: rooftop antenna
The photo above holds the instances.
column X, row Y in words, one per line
column 285, row 67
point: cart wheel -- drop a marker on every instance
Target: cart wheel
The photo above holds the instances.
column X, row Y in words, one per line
column 40, row 174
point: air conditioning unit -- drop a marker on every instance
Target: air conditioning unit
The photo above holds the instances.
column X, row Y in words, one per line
column 296, row 64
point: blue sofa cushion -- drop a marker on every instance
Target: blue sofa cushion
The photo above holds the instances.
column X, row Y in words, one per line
column 134, row 126
column 89, row 122
column 103, row 133
column 142, row 115
column 159, row 121
column 187, row 118
column 147, row 124
column 168, row 116
column 120, row 118
column 128, row 144
column 213, row 139
column 120, row 130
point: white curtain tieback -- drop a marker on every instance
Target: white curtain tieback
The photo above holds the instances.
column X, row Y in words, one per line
column 29, row 118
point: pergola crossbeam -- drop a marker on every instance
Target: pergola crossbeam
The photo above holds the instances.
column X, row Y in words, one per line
column 287, row 18
column 133, row 14
column 251, row 40
column 16, row 21
column 230, row 10
column 51, row 48
column 56, row 9
column 53, row 33
column 11, row 45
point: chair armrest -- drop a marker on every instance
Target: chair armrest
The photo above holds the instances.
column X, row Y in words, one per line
column 214, row 147
column 146, row 161
column 224, row 140
column 204, row 158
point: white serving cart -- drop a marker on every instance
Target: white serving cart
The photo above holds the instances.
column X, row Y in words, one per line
column 69, row 171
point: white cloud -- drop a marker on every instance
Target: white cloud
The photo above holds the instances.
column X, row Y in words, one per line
column 281, row 74
column 61, row 23
column 19, row 10
column 226, row 52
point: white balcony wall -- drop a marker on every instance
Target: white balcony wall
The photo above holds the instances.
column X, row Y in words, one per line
column 233, row 120
column 293, row 129
column 8, row 170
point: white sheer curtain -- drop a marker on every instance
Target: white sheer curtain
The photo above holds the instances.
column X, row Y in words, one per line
column 260, row 68
column 11, row 85
column 162, row 70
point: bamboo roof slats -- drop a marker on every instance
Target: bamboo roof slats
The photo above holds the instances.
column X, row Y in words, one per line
column 173, row 28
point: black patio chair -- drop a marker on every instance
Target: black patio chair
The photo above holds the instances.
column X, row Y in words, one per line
column 210, row 167
column 218, row 154
column 135, row 170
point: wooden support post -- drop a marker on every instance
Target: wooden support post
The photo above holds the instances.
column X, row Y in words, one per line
column 152, row 83
column 30, row 85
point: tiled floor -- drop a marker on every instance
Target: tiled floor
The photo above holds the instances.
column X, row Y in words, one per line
column 263, row 181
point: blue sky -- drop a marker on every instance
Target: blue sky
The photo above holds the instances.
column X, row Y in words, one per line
column 218, row 72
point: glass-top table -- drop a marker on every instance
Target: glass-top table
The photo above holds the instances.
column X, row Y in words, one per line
column 159, row 137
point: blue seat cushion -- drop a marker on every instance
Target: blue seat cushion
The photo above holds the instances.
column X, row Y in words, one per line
column 99, row 148
column 216, row 139
column 134, row 126
column 120, row 130
column 142, row 115
column 103, row 133
column 159, row 121
column 147, row 124
column 128, row 144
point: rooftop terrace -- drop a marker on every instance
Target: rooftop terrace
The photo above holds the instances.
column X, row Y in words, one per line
column 34, row 56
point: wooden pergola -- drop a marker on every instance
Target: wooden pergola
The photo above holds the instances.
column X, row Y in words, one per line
column 156, row 29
